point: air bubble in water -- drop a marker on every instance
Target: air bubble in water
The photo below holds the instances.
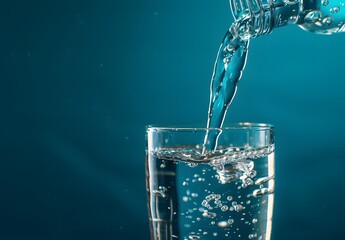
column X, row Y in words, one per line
column 209, row 214
column 223, row 224
column 193, row 237
column 325, row 2
column 231, row 221
column 335, row 9
column 313, row 16
column 293, row 19
column 263, row 191
column 252, row 174
column 238, row 207
column 192, row 165
column 229, row 198
column 226, row 60
column 224, row 208
column 327, row 20
column 254, row 220
column 210, row 197
column 251, row 236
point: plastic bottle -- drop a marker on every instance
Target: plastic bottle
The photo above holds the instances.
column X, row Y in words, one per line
column 259, row 17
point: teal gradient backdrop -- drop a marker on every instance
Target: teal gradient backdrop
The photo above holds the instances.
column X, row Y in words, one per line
column 81, row 79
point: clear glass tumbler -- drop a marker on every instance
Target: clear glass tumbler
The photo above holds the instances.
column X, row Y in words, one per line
column 226, row 193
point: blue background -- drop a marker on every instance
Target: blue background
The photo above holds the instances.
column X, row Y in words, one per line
column 81, row 79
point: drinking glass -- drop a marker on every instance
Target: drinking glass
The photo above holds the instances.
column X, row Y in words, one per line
column 226, row 193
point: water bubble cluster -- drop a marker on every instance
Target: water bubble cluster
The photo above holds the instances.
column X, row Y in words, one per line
column 228, row 53
column 261, row 192
column 222, row 210
column 335, row 9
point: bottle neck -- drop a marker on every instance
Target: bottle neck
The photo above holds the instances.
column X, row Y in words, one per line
column 260, row 17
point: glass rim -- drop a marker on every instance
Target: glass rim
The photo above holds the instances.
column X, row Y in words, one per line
column 197, row 127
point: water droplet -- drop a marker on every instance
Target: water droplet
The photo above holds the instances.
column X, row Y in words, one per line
column 185, row 199
column 213, row 222
column 195, row 195
column 215, row 234
column 312, row 17
column 254, row 220
column 325, row 2
column 231, row 221
column 327, row 20
column 229, row 198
